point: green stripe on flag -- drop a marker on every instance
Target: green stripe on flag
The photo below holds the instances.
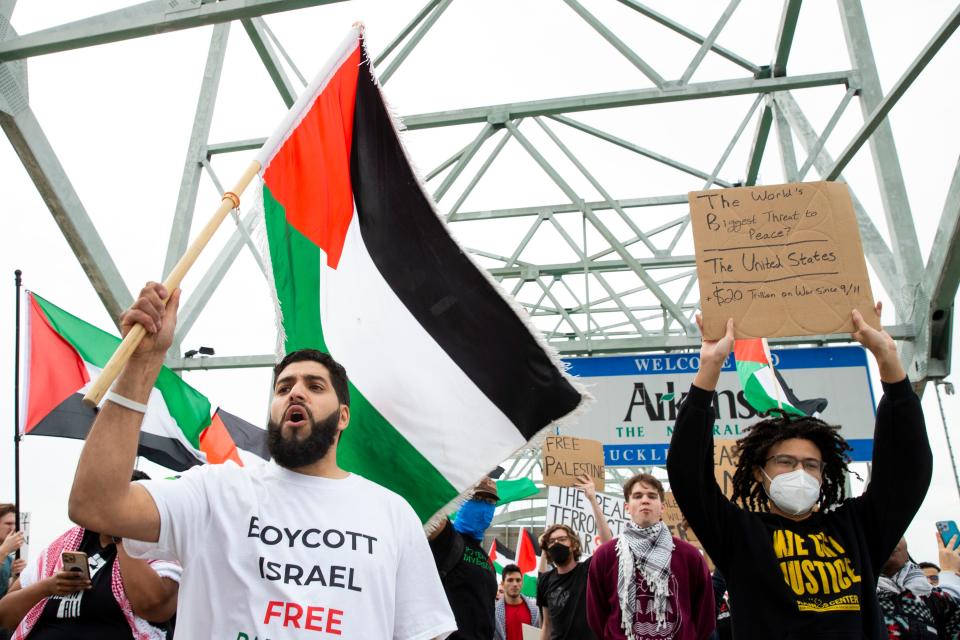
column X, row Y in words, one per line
column 93, row 345
column 371, row 446
column 510, row 490
column 296, row 275
column 529, row 587
column 186, row 405
column 760, row 399
column 746, row 368
column 757, row 396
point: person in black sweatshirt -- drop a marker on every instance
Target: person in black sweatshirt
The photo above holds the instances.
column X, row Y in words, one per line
column 800, row 560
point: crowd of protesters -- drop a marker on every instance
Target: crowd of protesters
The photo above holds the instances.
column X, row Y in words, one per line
column 300, row 548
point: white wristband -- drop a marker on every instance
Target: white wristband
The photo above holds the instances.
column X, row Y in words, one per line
column 126, row 403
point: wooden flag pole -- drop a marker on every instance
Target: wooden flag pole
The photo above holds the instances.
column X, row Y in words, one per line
column 131, row 341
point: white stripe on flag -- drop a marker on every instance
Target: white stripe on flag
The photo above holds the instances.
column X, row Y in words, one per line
column 157, row 420
column 771, row 385
column 404, row 373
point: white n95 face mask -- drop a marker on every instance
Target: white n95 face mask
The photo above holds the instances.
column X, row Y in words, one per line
column 795, row 492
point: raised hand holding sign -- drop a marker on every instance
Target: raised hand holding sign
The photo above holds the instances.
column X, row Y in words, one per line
column 781, row 260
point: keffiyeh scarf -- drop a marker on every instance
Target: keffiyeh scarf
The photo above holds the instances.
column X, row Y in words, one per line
column 49, row 562
column 647, row 550
column 909, row 577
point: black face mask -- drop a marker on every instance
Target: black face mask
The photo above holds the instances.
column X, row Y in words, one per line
column 559, row 553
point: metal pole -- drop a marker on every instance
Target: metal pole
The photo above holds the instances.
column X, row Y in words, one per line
column 946, row 432
column 16, row 408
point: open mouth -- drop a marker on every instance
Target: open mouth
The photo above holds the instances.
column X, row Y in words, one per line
column 296, row 416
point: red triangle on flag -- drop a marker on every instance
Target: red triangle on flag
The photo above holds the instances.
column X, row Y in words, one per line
column 54, row 370
column 526, row 552
column 217, row 443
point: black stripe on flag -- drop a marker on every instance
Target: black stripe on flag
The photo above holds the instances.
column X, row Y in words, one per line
column 73, row 419
column 245, row 435
column 504, row 551
column 440, row 286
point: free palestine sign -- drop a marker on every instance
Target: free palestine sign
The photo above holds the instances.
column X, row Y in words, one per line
column 566, row 457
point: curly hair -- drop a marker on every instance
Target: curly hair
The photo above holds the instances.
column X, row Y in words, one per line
column 753, row 450
column 575, row 549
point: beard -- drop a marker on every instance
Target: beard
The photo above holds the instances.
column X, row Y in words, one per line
column 291, row 453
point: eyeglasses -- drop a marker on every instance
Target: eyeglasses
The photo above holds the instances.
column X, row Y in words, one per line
column 788, row 462
column 561, row 539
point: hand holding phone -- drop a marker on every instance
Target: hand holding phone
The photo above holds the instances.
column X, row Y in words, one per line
column 74, row 576
column 76, row 561
column 948, row 531
column 947, row 540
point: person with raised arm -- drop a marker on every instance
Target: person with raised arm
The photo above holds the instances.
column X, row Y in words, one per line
column 562, row 591
column 801, row 559
column 294, row 548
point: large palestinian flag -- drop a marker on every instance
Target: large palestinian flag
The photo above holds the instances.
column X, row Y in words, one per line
column 446, row 379
column 63, row 354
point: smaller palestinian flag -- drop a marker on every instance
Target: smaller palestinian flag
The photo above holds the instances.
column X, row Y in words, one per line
column 501, row 555
column 512, row 490
column 528, row 559
column 231, row 438
column 62, row 354
column 763, row 386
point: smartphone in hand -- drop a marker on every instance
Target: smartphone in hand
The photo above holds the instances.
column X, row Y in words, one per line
column 948, row 530
column 76, row 561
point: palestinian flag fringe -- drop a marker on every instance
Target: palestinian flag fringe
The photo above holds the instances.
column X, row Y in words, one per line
column 763, row 386
column 62, row 354
column 526, row 557
column 446, row 379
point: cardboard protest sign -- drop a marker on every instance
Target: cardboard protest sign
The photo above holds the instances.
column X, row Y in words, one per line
column 674, row 519
column 569, row 506
column 566, row 457
column 724, row 464
column 781, row 260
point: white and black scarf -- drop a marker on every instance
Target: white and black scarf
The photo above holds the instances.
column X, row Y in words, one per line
column 910, row 577
column 647, row 550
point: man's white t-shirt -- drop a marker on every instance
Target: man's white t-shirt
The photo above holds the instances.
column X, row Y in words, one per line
column 270, row 553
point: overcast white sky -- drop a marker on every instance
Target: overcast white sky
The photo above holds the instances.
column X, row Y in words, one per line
column 120, row 115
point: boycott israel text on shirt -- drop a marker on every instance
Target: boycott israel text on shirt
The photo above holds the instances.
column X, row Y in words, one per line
column 270, row 553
